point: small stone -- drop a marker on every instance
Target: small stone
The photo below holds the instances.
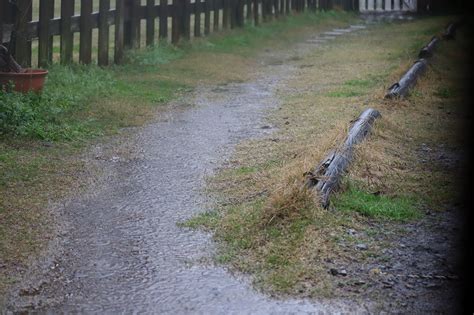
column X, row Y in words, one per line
column 336, row 272
column 266, row 127
column 352, row 232
column 362, row 246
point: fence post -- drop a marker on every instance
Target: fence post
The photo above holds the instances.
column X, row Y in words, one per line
column 215, row 9
column 150, row 22
column 85, row 48
column 225, row 14
column 19, row 43
column 186, row 19
column 131, row 31
column 119, row 31
column 248, row 12
column 197, row 18
column 163, row 19
column 176, row 21
column 207, row 17
column 241, row 16
column 3, row 5
column 44, row 40
column 67, row 11
column 103, row 54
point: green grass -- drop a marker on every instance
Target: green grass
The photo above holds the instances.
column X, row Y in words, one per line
column 398, row 208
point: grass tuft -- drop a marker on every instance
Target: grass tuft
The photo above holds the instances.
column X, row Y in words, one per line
column 376, row 205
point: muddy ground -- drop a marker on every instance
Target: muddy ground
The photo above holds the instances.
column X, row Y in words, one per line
column 120, row 247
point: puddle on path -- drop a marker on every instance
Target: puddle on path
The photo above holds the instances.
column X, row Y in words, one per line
column 124, row 251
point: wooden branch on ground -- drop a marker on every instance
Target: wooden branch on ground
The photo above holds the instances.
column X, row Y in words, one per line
column 450, row 32
column 401, row 88
column 326, row 176
column 7, row 63
column 427, row 51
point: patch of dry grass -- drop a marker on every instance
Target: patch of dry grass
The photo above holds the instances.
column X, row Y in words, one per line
column 270, row 227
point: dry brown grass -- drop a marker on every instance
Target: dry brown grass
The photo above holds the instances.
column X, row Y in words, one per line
column 290, row 243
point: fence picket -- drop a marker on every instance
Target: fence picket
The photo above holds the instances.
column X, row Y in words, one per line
column 66, row 42
column 44, row 39
column 103, row 54
column 85, row 45
column 150, row 22
column 163, row 19
column 128, row 15
column 119, row 31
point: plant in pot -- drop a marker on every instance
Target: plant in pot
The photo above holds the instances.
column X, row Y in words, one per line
column 12, row 75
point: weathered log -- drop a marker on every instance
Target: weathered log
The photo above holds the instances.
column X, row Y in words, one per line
column 7, row 63
column 401, row 88
column 450, row 32
column 427, row 51
column 326, row 176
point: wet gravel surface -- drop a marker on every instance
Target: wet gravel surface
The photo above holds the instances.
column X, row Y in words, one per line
column 123, row 250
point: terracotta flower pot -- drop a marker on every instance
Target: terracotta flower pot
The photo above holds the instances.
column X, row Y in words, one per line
column 31, row 80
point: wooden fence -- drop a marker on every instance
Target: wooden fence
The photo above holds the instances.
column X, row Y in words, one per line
column 123, row 25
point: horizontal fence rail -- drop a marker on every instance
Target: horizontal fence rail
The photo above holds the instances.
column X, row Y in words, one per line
column 387, row 5
column 40, row 31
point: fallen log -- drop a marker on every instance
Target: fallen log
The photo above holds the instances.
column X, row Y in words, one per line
column 427, row 51
column 7, row 62
column 401, row 88
column 450, row 32
column 325, row 177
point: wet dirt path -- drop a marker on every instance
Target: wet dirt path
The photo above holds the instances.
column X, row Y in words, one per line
column 124, row 250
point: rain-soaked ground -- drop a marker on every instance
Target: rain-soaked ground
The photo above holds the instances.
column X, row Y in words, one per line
column 122, row 249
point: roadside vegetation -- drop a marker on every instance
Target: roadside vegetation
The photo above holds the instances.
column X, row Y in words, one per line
column 45, row 139
column 269, row 227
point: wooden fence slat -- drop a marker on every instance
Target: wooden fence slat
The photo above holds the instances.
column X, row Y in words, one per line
column 256, row 14
column 176, row 21
column 163, row 19
column 150, row 22
column 103, row 54
column 131, row 31
column 3, row 5
column 66, row 41
column 207, row 17
column 44, row 39
column 85, row 45
column 119, row 29
column 20, row 46
column 240, row 13
column 197, row 18
column 277, row 8
column 248, row 11
column 215, row 10
column 186, row 19
column 233, row 13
